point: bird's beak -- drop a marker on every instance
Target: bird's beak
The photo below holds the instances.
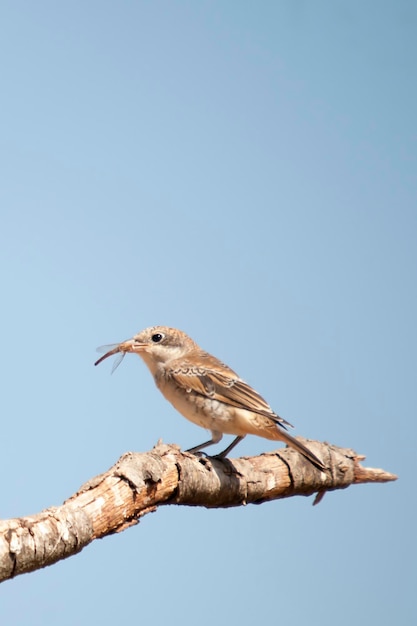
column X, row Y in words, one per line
column 131, row 345
column 134, row 346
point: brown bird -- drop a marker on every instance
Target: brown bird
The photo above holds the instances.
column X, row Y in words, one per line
column 206, row 391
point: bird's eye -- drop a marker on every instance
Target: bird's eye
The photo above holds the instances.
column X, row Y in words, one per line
column 157, row 337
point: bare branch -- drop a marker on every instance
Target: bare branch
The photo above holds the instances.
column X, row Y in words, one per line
column 138, row 483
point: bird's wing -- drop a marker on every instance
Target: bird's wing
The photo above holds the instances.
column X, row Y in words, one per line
column 217, row 381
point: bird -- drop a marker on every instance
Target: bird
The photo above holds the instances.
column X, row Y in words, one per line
column 206, row 391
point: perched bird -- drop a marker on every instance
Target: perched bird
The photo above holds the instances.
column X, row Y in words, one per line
column 206, row 391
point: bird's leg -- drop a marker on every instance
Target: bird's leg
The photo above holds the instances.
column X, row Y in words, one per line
column 215, row 438
column 234, row 443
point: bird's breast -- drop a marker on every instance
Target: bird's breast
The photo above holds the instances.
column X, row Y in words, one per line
column 201, row 410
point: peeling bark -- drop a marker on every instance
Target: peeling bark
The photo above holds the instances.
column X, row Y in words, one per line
column 140, row 482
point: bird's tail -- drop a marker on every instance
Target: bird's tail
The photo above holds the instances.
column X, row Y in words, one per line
column 301, row 448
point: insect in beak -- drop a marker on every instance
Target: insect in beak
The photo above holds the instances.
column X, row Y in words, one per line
column 116, row 348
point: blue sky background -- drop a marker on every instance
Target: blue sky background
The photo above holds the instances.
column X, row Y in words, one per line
column 245, row 172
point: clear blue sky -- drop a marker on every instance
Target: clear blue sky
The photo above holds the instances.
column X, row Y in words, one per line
column 245, row 172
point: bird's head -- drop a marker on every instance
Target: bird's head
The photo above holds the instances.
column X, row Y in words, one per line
column 157, row 345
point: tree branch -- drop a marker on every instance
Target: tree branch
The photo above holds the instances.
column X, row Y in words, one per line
column 138, row 483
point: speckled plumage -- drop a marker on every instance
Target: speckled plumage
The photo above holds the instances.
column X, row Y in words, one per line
column 206, row 391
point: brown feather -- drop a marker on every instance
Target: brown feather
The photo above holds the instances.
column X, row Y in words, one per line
column 217, row 381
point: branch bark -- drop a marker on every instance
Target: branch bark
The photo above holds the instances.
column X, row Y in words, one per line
column 138, row 483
